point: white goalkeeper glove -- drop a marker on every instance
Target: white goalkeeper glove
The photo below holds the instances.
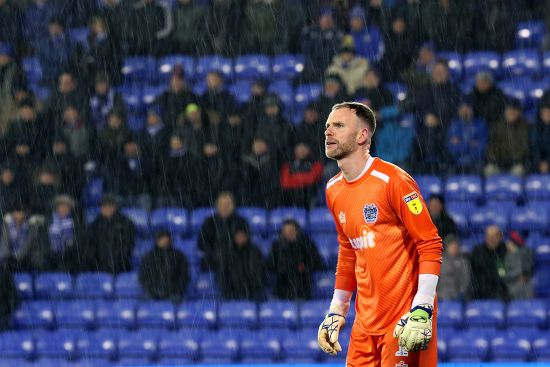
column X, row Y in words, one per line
column 327, row 336
column 414, row 329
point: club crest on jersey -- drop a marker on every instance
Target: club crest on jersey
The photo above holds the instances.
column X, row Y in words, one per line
column 370, row 213
column 413, row 202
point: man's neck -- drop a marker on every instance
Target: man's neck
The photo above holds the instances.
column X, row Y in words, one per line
column 353, row 166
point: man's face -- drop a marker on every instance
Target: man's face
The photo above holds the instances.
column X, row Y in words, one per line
column 289, row 233
column 343, row 133
column 59, row 147
column 55, row 30
column 326, row 22
column 177, row 83
column 101, row 88
column 27, row 113
column 399, row 26
column 66, row 83
column 4, row 59
column 63, row 210
column 493, row 236
column 240, row 238
column 176, row 143
column 163, row 242
column 213, row 81
column 259, row 147
column 440, row 75
column 435, row 207
column 545, row 115
column 301, row 151
column 465, row 112
column 70, row 114
column 483, row 85
column 114, row 122
column 372, row 80
column 356, row 24
column 311, row 116
column 511, row 114
column 153, row 119
column 7, row 176
column 271, row 110
column 108, row 210
column 225, row 206
column 452, row 248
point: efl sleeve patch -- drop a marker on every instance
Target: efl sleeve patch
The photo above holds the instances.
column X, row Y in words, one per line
column 413, row 203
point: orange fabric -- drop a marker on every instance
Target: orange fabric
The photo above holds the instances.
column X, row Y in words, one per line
column 386, row 239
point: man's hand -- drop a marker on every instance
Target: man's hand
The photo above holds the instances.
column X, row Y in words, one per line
column 327, row 337
column 414, row 329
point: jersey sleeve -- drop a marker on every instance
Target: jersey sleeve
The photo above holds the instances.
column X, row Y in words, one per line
column 410, row 207
column 345, row 267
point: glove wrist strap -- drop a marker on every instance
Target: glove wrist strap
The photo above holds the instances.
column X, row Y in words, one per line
column 427, row 309
column 334, row 314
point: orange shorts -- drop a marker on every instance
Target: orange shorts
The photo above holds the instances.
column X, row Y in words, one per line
column 383, row 351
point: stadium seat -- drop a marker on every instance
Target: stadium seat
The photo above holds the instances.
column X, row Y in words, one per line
column 153, row 314
column 93, row 191
column 140, row 218
column 282, row 314
column 510, row 347
column 310, row 311
column 139, row 70
column 429, row 185
column 441, row 346
column 321, row 221
column 252, row 67
column 481, row 60
column 132, row 97
column 197, row 314
column 482, row 217
column 488, row 313
column 463, row 188
column 278, row 215
column 198, row 216
column 530, row 218
column 517, row 88
column 94, row 285
column 256, row 218
column 166, row 65
column 178, row 348
column 537, row 187
column 75, row 314
column 61, row 344
column 542, row 282
column 302, row 347
column 33, row 69
column 460, row 211
column 521, row 63
column 190, row 250
column 449, row 314
column 134, row 348
column 467, row 346
column 127, row 286
column 327, row 245
column 16, row 346
column 205, row 286
column 307, row 93
column 454, row 62
column 118, row 314
column 530, row 34
column 526, row 313
column 237, row 314
column 149, row 94
column 80, row 35
column 53, row 285
column 206, row 64
column 24, row 285
column 220, row 348
column 398, row 90
column 503, row 187
column 200, row 87
column 100, row 345
column 141, row 247
column 284, row 90
column 287, row 66
column 241, row 90
column 260, row 347
column 323, row 284
column 174, row 220
column 35, row 315
column 541, row 347
column 541, row 248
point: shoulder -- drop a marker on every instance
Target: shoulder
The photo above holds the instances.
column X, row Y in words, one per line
column 335, row 180
column 388, row 172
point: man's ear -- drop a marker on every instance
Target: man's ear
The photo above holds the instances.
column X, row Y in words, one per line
column 364, row 137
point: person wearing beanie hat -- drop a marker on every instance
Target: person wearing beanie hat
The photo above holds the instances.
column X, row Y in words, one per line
column 366, row 37
column 540, row 139
column 349, row 66
column 518, row 264
column 455, row 280
column 176, row 97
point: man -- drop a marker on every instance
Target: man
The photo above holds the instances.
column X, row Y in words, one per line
column 488, row 266
column 389, row 251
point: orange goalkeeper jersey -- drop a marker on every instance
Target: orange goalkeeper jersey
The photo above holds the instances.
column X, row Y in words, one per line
column 386, row 238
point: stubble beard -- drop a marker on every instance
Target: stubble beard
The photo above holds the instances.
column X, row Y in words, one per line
column 341, row 151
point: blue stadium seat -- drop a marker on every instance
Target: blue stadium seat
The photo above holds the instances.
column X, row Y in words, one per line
column 323, row 284
column 449, row 314
column 546, row 62
column 441, row 346
column 489, row 313
column 24, row 285
column 156, row 314
column 80, row 35
column 310, row 311
column 537, row 187
column 166, row 65
column 241, row 90
column 94, row 285
column 141, row 247
column 61, row 344
column 205, row 64
column 535, row 90
column 139, row 70
column 140, row 218
column 127, row 286
column 32, row 68
column 260, row 347
column 541, row 347
column 190, row 250
column 200, row 87
column 530, row 34
column 118, row 314
column 398, row 90
column 205, row 286
column 521, row 63
column 530, row 218
column 236, row 314
column 541, row 248
column 510, row 347
column 256, row 218
column 16, row 345
column 133, row 99
column 542, row 282
column 252, row 66
column 197, row 314
column 503, row 187
column 263, row 244
column 460, row 211
column 429, row 185
column 174, row 220
column 463, row 188
column 100, row 345
column 285, row 91
column 35, row 315
column 482, row 217
column 53, row 285
column 179, row 348
column 137, row 348
column 321, row 221
column 468, row 243
column 467, row 346
column 454, row 62
column 516, row 88
column 301, row 347
column 149, row 94
column 278, row 215
column 307, row 93
column 93, row 191
column 283, row 314
column 198, row 216
column 220, row 348
column 287, row 66
column 327, row 245
column 77, row 314
column 526, row 313
column 481, row 60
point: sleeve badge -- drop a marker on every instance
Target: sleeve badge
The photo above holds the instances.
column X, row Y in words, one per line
column 413, row 203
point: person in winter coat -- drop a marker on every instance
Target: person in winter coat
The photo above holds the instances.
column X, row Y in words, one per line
column 518, row 264
column 176, row 97
column 105, row 100
column 348, row 65
column 293, row 259
column 164, row 270
column 540, row 139
column 311, row 131
column 487, row 99
column 189, row 35
column 442, row 220
column 455, row 279
column 429, row 154
column 366, row 36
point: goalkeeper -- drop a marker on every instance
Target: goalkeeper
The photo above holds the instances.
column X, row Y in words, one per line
column 389, row 252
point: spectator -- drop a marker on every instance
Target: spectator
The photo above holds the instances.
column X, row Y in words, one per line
column 223, row 22
column 216, row 100
column 68, row 93
column 518, row 264
column 11, row 78
column 36, row 18
column 46, row 185
column 540, row 139
column 445, row 224
column 311, row 131
column 300, row 177
column 192, row 128
column 487, row 99
column 260, row 186
column 216, row 174
column 429, row 153
column 333, row 92
column 9, row 298
column 488, row 269
column 215, row 236
column 111, row 141
column 173, row 100
column 189, row 35
column 242, row 272
column 263, row 29
column 449, row 24
column 293, row 259
column 455, row 279
column 110, row 239
column 149, row 39
column 235, row 133
column 22, row 242
column 254, row 107
column 115, row 12
column 418, row 74
column 393, row 140
column 412, row 14
column 467, row 140
column 11, row 25
column 319, row 44
column 372, row 92
column 348, row 65
column 508, row 142
column 367, row 40
column 11, row 188
column 66, row 166
column 399, row 47
column 56, row 52
column 104, row 100
column 164, row 271
column 77, row 132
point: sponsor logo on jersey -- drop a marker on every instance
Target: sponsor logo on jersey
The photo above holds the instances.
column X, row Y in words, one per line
column 365, row 241
column 370, row 213
column 401, row 364
column 342, row 217
column 413, row 202
column 402, row 352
